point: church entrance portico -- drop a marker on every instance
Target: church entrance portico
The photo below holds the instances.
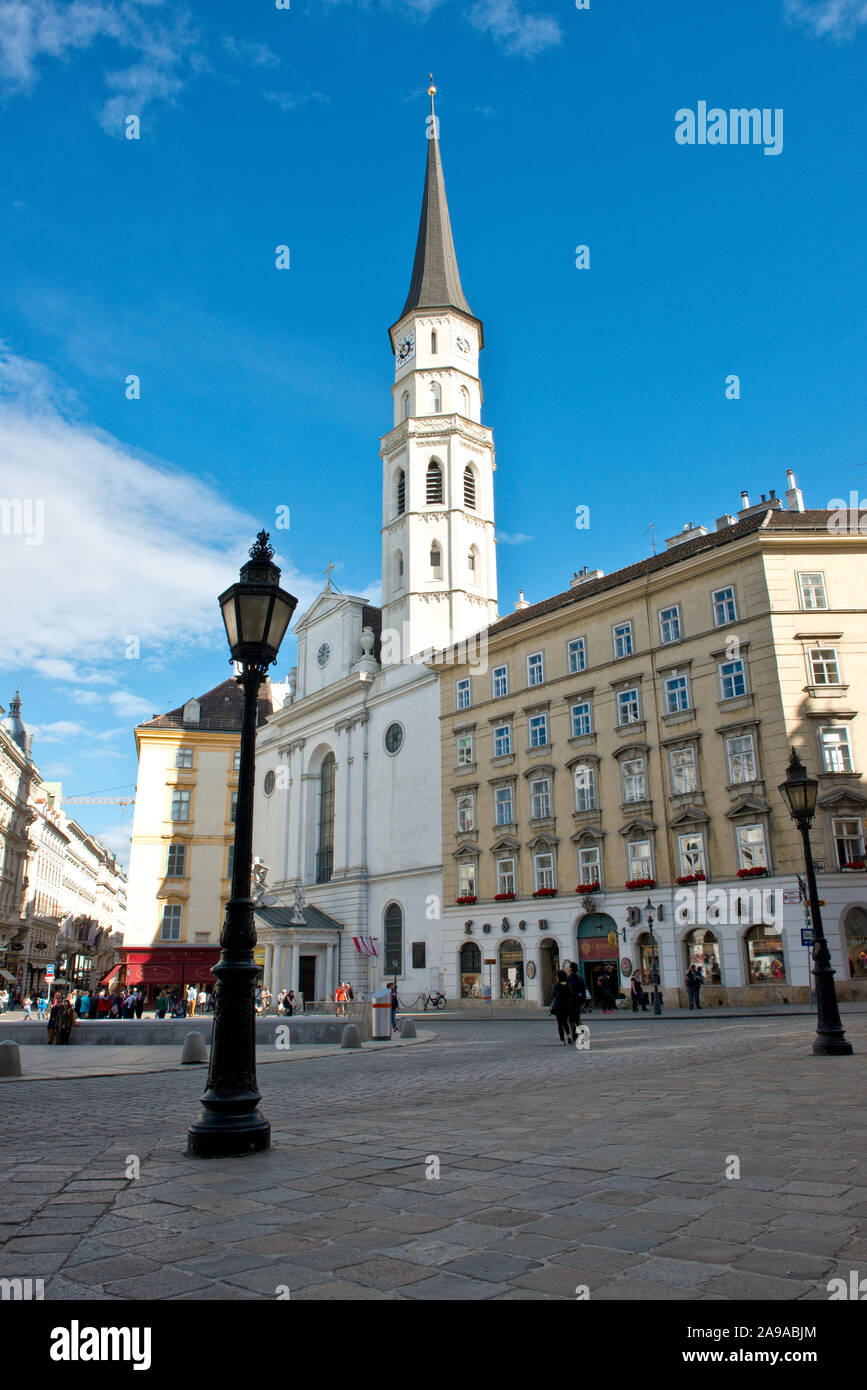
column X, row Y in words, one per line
column 301, row 956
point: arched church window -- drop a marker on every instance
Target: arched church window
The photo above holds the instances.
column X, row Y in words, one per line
column 434, row 483
column 436, row 560
column 398, row 567
column 325, row 851
column 393, row 961
column 436, row 397
column 401, row 493
column 433, row 340
column 473, row 564
column 469, row 488
column 465, row 401
column 405, row 399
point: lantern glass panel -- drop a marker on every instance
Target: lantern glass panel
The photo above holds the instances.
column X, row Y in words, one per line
column 230, row 618
column 254, row 615
column 279, row 621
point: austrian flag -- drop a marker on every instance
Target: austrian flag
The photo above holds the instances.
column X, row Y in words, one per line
column 365, row 945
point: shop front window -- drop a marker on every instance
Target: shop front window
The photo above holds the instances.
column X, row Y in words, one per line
column 701, row 949
column 856, row 942
column 766, row 964
column 644, row 951
column 511, row 971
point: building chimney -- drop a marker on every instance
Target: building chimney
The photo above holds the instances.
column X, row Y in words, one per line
column 584, row 576
column 794, row 496
column 745, row 500
column 522, row 602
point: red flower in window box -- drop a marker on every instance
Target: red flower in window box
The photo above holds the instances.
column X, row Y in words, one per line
column 691, row 878
column 467, row 901
column 545, row 893
column 633, row 883
column 505, row 897
column 757, row 871
column 587, row 888
column 854, row 864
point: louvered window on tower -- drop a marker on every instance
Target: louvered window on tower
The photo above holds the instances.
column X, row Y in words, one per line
column 436, row 561
column 401, row 493
column 469, row 489
column 434, row 489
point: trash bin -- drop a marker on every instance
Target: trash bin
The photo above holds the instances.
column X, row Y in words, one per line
column 486, row 994
column 381, row 1013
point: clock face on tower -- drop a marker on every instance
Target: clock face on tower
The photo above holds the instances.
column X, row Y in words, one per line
column 405, row 348
column 323, row 654
column 462, row 344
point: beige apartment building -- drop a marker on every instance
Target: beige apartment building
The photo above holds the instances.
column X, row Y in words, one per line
column 183, row 838
column 624, row 743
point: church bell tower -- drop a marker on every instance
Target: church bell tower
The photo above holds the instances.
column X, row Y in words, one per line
column 439, row 566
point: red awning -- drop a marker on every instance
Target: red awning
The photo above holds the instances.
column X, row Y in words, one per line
column 110, row 974
column 170, row 965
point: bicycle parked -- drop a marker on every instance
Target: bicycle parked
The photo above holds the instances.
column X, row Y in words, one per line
column 435, row 999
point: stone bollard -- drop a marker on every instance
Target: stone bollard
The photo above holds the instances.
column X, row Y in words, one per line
column 351, row 1036
column 407, row 1029
column 10, row 1059
column 195, row 1049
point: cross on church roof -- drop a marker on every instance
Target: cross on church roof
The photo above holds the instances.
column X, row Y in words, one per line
column 327, row 571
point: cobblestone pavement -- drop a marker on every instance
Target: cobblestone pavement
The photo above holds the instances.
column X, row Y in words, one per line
column 558, row 1168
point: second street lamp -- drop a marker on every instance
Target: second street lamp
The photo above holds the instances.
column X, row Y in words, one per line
column 799, row 793
column 654, row 960
column 256, row 613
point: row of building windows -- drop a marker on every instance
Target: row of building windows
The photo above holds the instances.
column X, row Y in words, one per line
column 180, row 807
column 823, row 664
column 847, row 835
column 436, row 564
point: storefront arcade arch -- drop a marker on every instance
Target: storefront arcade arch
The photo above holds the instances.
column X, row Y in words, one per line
column 595, row 951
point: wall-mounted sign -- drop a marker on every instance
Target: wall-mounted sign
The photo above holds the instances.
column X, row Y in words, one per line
column 531, row 970
column 626, row 966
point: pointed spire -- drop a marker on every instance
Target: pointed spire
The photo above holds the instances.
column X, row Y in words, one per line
column 436, row 281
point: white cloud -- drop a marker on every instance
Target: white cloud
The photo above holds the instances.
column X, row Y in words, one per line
column 287, row 101
column 117, row 839
column 259, row 54
column 59, row 732
column 514, row 28
column 837, row 19
column 161, row 36
column 131, row 546
column 513, row 538
column 507, row 21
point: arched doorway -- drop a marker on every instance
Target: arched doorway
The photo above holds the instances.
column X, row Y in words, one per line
column 511, row 970
column 470, row 970
column 596, row 953
column 549, row 964
column 856, row 942
column 701, row 949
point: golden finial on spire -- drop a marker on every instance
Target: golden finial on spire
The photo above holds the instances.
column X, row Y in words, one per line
column 431, row 91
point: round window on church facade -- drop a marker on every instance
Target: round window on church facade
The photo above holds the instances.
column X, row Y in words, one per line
column 394, row 738
column 270, row 782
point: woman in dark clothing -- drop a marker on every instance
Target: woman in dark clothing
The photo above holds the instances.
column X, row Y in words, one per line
column 606, row 992
column 562, row 1002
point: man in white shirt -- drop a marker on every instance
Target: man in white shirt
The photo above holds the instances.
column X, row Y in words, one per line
column 191, row 999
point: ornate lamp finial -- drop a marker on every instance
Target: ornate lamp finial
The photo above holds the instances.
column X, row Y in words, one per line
column 261, row 549
column 431, row 91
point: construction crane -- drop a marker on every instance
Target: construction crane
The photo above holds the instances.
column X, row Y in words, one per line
column 121, row 801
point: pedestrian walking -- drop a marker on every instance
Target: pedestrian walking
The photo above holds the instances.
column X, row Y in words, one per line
column 562, row 1004
column 395, row 1003
column 4, row 1000
column 289, row 1002
column 54, row 1019
column 192, row 995
column 637, row 994
column 340, row 1000
column 162, row 1004
column 693, row 984
column 82, row 1004
column 578, row 988
column 28, row 1008
column 42, row 1006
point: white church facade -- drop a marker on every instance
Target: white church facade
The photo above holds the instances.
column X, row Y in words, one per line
column 348, row 807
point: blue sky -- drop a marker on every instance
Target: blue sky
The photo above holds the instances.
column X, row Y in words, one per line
column 263, row 388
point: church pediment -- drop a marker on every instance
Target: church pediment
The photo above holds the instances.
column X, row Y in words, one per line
column 324, row 605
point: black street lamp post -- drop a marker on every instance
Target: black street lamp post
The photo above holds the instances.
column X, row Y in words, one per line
column 654, row 959
column 256, row 613
column 799, row 793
